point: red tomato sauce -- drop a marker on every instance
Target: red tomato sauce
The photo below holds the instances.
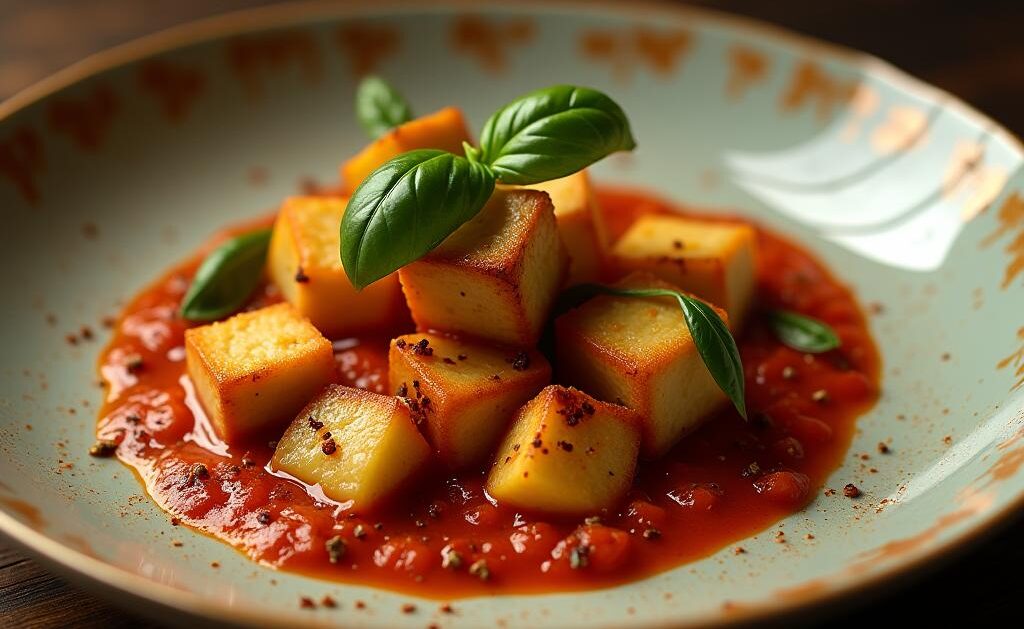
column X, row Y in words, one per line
column 727, row 481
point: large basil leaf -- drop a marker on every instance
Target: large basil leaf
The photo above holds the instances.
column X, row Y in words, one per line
column 552, row 133
column 227, row 277
column 803, row 333
column 715, row 344
column 407, row 207
column 379, row 106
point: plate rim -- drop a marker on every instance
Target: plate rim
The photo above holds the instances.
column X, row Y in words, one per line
column 95, row 572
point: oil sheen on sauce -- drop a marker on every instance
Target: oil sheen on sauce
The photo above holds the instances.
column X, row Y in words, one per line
column 727, row 481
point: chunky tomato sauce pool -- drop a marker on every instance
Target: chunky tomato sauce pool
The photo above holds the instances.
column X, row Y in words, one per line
column 727, row 481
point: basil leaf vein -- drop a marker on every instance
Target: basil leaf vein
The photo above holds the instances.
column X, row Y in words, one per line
column 552, row 133
column 380, row 107
column 714, row 341
column 407, row 207
column 803, row 333
column 227, row 277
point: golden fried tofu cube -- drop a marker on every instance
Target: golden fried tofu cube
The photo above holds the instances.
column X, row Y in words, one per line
column 566, row 454
column 580, row 224
column 305, row 263
column 464, row 393
column 354, row 444
column 639, row 352
column 712, row 260
column 445, row 130
column 496, row 277
column 254, row 371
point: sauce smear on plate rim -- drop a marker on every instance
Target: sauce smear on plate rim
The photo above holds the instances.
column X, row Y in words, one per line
column 727, row 481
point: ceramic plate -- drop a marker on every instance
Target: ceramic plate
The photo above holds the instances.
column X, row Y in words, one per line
column 117, row 167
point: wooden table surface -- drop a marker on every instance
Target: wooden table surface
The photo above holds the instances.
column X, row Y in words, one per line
column 974, row 50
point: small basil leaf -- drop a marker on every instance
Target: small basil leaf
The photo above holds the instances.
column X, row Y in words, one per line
column 380, row 107
column 715, row 344
column 227, row 277
column 803, row 333
column 407, row 207
column 552, row 133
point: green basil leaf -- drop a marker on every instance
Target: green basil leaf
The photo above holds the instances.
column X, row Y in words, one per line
column 715, row 344
column 552, row 133
column 407, row 207
column 803, row 333
column 227, row 277
column 380, row 107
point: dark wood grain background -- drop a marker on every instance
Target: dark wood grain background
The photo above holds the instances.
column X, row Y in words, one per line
column 972, row 49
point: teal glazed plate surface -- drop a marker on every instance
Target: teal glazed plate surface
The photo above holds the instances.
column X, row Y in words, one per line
column 117, row 167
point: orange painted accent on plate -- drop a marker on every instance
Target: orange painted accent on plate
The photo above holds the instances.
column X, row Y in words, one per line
column 811, row 83
column 1011, row 218
column 252, row 56
column 21, row 159
column 906, row 545
column 367, row 45
column 1012, row 458
column 29, row 512
column 625, row 50
column 746, row 67
column 85, row 120
column 174, row 86
column 1017, row 360
column 903, row 128
column 490, row 40
column 80, row 544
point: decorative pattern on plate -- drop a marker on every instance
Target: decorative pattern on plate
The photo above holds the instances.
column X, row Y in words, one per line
column 627, row 49
column 175, row 87
column 366, row 45
column 86, row 119
column 490, row 41
column 253, row 57
column 21, row 160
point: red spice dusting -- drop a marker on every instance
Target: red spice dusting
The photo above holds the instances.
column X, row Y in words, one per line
column 329, row 602
column 883, row 448
column 360, row 605
column 306, row 603
column 851, row 491
column 423, row 348
column 446, row 608
column 408, row 608
column 520, row 362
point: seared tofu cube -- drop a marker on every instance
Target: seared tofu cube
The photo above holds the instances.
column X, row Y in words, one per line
column 254, row 371
column 464, row 393
column 355, row 445
column 566, row 454
column 305, row 263
column 444, row 130
column 496, row 277
column 580, row 224
column 639, row 352
column 712, row 260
